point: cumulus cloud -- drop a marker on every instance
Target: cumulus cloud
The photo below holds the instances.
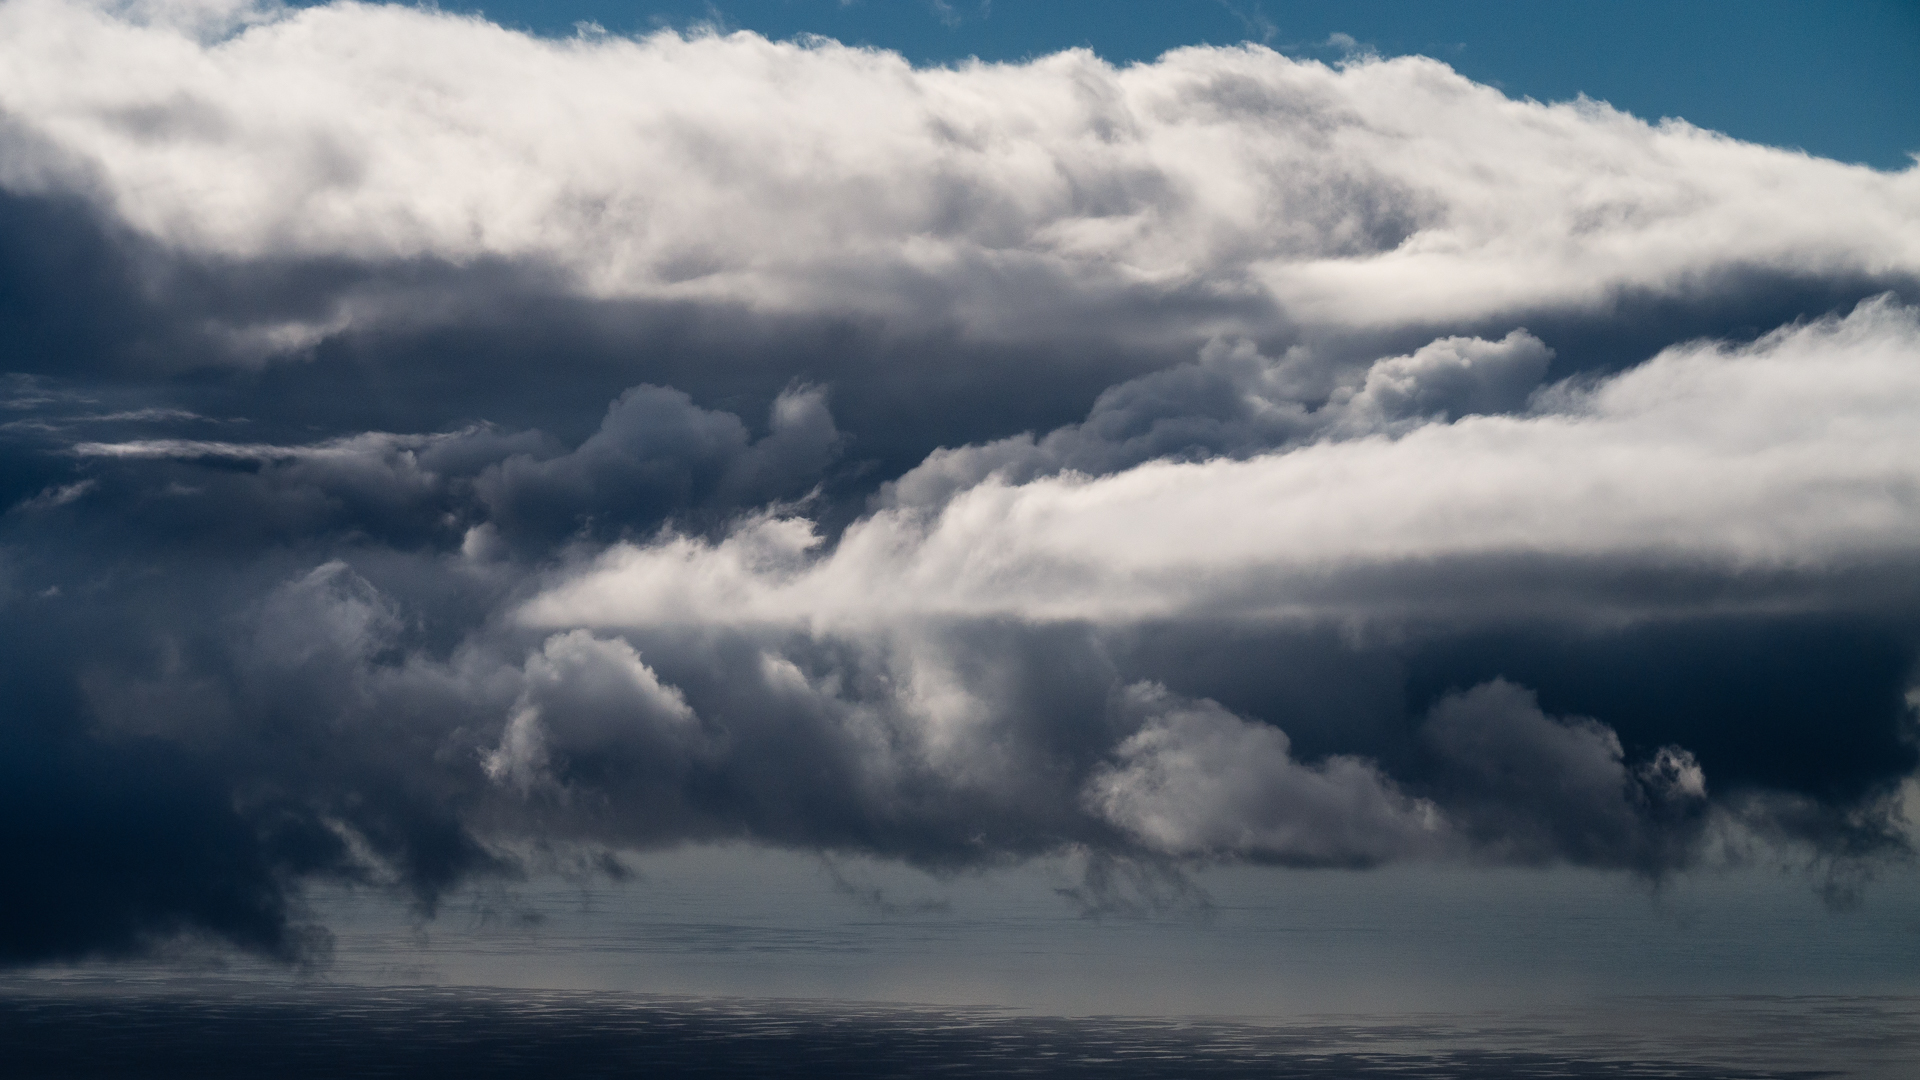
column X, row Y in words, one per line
column 1509, row 783
column 592, row 711
column 1197, row 780
column 657, row 456
column 1234, row 402
column 1786, row 465
column 1541, row 788
column 811, row 175
column 424, row 443
column 656, row 453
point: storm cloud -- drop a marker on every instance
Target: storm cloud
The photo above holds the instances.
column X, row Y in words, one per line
column 428, row 449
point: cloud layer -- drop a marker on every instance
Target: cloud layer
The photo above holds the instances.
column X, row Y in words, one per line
column 427, row 448
column 1776, row 476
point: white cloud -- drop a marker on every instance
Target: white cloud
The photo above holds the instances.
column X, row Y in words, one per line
column 1196, row 780
column 1447, row 379
column 1795, row 456
column 818, row 177
column 364, row 446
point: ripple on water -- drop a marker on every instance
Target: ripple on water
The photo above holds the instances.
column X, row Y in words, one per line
column 78, row 1027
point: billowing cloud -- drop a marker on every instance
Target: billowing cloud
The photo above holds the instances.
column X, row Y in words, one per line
column 1507, row 780
column 1197, row 780
column 1542, row 788
column 1234, row 402
column 657, row 452
column 1773, row 476
column 593, row 712
column 802, row 172
column 422, row 444
column 310, row 174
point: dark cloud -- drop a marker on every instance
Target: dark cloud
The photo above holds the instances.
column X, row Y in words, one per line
column 1535, row 787
column 116, row 846
column 1745, row 694
column 1234, row 402
column 657, row 453
column 1225, row 458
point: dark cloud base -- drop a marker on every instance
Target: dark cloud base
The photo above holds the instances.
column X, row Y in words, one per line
column 1743, row 694
column 124, row 321
column 117, row 849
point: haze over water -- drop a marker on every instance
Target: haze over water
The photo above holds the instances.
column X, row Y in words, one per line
column 699, row 966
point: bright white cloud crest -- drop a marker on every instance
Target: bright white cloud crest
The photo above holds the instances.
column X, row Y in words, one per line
column 801, row 176
column 1795, row 455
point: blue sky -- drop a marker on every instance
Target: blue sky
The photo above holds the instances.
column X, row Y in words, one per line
column 1839, row 80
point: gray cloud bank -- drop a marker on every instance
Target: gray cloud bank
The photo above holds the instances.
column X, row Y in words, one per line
column 428, row 450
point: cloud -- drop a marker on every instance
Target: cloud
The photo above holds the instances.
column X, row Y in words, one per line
column 1234, row 402
column 593, row 712
column 811, row 176
column 1197, row 780
column 1509, row 783
column 656, row 457
column 425, row 444
column 656, row 453
column 1534, row 787
column 1775, row 476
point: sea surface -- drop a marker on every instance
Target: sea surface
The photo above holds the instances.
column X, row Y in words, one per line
column 742, row 963
column 213, row 1028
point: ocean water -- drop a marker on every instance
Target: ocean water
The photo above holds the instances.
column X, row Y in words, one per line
column 213, row 1028
column 729, row 962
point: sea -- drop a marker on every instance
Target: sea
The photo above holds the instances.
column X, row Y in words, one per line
column 734, row 962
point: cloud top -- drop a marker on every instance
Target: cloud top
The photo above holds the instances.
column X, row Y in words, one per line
column 801, row 175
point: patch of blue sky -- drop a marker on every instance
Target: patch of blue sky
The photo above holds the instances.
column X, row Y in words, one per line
column 1838, row 80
